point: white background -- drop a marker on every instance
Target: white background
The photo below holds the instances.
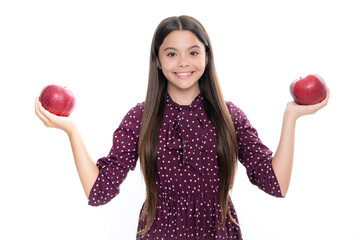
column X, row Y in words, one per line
column 100, row 50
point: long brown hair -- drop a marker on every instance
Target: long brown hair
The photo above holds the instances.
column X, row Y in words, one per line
column 215, row 108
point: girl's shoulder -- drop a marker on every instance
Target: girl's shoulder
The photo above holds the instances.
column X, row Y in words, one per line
column 237, row 115
column 139, row 107
column 135, row 112
column 234, row 110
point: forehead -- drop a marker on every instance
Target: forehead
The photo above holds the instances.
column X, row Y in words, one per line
column 181, row 39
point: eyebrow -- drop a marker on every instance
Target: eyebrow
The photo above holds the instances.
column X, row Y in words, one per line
column 172, row 48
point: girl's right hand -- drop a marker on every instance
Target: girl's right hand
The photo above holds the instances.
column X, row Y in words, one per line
column 51, row 120
column 297, row 110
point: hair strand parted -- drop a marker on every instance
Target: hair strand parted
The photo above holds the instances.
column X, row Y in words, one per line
column 214, row 106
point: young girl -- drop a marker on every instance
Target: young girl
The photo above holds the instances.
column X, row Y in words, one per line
column 188, row 140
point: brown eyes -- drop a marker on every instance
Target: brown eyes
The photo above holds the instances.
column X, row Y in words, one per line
column 171, row 54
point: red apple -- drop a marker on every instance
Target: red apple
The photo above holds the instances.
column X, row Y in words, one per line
column 309, row 90
column 57, row 100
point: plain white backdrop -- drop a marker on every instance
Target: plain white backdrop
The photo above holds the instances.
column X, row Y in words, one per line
column 100, row 50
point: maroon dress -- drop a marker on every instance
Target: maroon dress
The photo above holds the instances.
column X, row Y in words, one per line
column 188, row 175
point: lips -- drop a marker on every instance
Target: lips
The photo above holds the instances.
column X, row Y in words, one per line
column 184, row 75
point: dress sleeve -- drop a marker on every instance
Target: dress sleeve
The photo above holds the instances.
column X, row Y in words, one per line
column 253, row 154
column 122, row 157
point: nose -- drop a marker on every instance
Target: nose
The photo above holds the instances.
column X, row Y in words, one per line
column 183, row 62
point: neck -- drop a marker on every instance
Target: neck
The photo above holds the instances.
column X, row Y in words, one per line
column 183, row 97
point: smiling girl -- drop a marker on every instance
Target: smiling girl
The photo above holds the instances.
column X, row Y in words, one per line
column 188, row 140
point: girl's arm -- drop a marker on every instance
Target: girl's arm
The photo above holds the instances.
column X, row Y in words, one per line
column 283, row 159
column 86, row 168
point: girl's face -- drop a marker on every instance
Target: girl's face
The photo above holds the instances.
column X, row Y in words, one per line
column 182, row 58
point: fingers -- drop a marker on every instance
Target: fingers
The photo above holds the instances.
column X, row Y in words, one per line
column 41, row 112
column 302, row 110
column 324, row 102
column 37, row 111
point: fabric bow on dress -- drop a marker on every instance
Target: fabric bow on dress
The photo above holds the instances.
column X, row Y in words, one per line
column 187, row 133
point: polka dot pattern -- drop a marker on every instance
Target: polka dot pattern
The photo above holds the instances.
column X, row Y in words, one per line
column 253, row 154
column 188, row 176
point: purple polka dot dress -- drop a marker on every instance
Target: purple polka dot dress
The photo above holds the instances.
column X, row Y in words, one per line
column 188, row 176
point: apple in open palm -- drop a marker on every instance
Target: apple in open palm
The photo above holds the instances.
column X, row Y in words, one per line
column 308, row 90
column 57, row 100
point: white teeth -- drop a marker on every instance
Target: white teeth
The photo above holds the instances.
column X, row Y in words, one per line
column 183, row 74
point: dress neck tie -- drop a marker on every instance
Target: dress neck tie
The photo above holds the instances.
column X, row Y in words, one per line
column 186, row 133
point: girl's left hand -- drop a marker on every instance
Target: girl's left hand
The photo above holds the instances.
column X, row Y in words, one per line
column 296, row 110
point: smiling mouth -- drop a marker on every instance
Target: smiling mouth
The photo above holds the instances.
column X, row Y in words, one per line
column 183, row 74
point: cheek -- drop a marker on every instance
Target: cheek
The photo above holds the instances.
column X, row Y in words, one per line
column 201, row 64
column 166, row 70
column 166, row 66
